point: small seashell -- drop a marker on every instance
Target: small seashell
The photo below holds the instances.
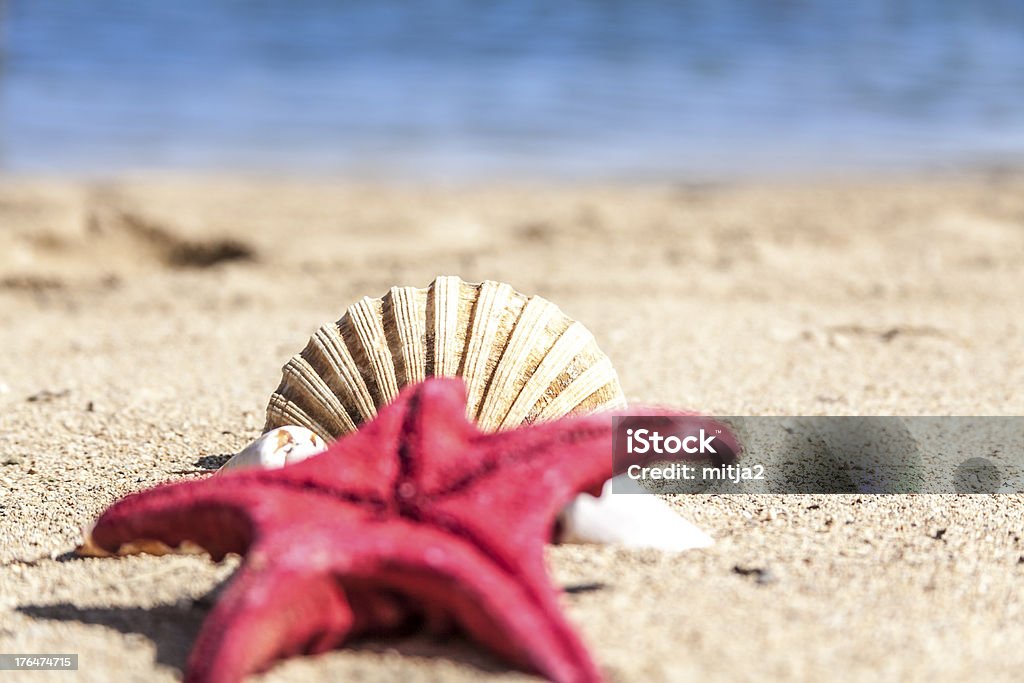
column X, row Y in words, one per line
column 522, row 359
column 277, row 448
column 640, row 520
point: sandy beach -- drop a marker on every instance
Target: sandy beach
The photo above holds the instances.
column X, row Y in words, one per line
column 144, row 322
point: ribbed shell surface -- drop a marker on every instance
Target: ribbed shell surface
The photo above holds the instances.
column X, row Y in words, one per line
column 522, row 359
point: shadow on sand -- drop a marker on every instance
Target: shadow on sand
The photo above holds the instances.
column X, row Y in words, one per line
column 173, row 628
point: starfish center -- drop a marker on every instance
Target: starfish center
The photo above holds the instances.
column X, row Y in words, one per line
column 407, row 490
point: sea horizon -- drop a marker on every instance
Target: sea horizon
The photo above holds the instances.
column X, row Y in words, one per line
column 454, row 91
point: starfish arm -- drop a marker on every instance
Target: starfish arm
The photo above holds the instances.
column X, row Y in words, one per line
column 222, row 515
column 541, row 469
column 513, row 612
column 268, row 613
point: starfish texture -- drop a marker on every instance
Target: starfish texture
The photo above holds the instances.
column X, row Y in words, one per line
column 417, row 520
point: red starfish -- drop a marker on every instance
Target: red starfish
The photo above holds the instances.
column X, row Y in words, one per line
column 418, row 518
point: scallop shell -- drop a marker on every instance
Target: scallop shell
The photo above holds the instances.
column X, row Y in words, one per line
column 522, row 359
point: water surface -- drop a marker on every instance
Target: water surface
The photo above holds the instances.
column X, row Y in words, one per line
column 468, row 89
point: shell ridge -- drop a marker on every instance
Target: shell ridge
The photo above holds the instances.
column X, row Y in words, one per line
column 569, row 344
column 281, row 411
column 402, row 315
column 367, row 324
column 592, row 380
column 487, row 317
column 529, row 329
column 445, row 290
column 344, row 366
column 332, row 414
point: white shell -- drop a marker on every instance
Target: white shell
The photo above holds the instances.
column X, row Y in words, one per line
column 633, row 520
column 523, row 360
column 277, row 448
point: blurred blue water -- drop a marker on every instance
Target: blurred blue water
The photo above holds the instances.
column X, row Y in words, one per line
column 443, row 88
